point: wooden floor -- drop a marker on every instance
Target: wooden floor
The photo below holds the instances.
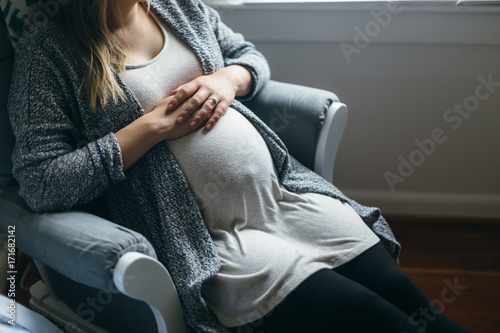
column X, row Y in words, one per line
column 457, row 265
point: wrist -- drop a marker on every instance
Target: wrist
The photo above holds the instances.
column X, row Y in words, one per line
column 241, row 79
column 154, row 129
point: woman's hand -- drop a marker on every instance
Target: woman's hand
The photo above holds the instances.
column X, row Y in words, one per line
column 164, row 123
column 208, row 97
column 138, row 137
column 192, row 102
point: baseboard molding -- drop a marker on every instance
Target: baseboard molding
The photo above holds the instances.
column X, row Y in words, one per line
column 430, row 204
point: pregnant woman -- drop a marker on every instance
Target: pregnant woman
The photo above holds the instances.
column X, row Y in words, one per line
column 134, row 103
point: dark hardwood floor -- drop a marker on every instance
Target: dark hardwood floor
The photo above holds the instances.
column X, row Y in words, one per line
column 457, row 264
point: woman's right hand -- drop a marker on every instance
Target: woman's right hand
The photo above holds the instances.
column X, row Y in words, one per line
column 138, row 137
column 165, row 123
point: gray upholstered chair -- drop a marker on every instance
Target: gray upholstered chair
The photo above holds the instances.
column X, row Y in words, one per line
column 100, row 277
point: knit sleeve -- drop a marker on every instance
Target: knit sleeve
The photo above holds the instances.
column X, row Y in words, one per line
column 54, row 166
column 237, row 51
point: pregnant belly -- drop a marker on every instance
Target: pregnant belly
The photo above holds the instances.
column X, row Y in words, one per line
column 225, row 167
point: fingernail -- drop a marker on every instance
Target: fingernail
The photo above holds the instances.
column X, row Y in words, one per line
column 193, row 123
column 180, row 119
column 170, row 107
column 209, row 126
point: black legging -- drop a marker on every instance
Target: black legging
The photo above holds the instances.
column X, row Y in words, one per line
column 369, row 294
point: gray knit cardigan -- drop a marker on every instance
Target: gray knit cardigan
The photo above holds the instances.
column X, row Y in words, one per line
column 67, row 155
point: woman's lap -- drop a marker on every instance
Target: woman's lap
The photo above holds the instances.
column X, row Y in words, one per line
column 367, row 294
column 329, row 302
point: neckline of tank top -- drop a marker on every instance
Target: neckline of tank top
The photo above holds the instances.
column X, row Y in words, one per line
column 165, row 42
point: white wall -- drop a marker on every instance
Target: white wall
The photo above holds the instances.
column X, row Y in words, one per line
column 419, row 62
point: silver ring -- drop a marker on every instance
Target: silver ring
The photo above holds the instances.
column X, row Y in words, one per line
column 215, row 100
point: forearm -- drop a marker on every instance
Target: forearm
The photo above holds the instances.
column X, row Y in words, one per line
column 136, row 139
column 53, row 177
column 237, row 51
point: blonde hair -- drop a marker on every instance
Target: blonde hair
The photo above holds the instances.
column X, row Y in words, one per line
column 89, row 25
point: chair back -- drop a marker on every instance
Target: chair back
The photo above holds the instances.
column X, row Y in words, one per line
column 18, row 14
column 6, row 136
column 15, row 16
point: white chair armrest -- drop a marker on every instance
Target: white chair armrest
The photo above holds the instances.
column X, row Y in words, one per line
column 145, row 278
column 329, row 140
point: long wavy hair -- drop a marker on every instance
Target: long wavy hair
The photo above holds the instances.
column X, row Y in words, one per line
column 89, row 25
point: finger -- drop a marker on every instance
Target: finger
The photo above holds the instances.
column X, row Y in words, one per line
column 218, row 113
column 181, row 94
column 204, row 112
column 192, row 104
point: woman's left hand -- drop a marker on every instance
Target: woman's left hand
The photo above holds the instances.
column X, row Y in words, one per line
column 210, row 95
